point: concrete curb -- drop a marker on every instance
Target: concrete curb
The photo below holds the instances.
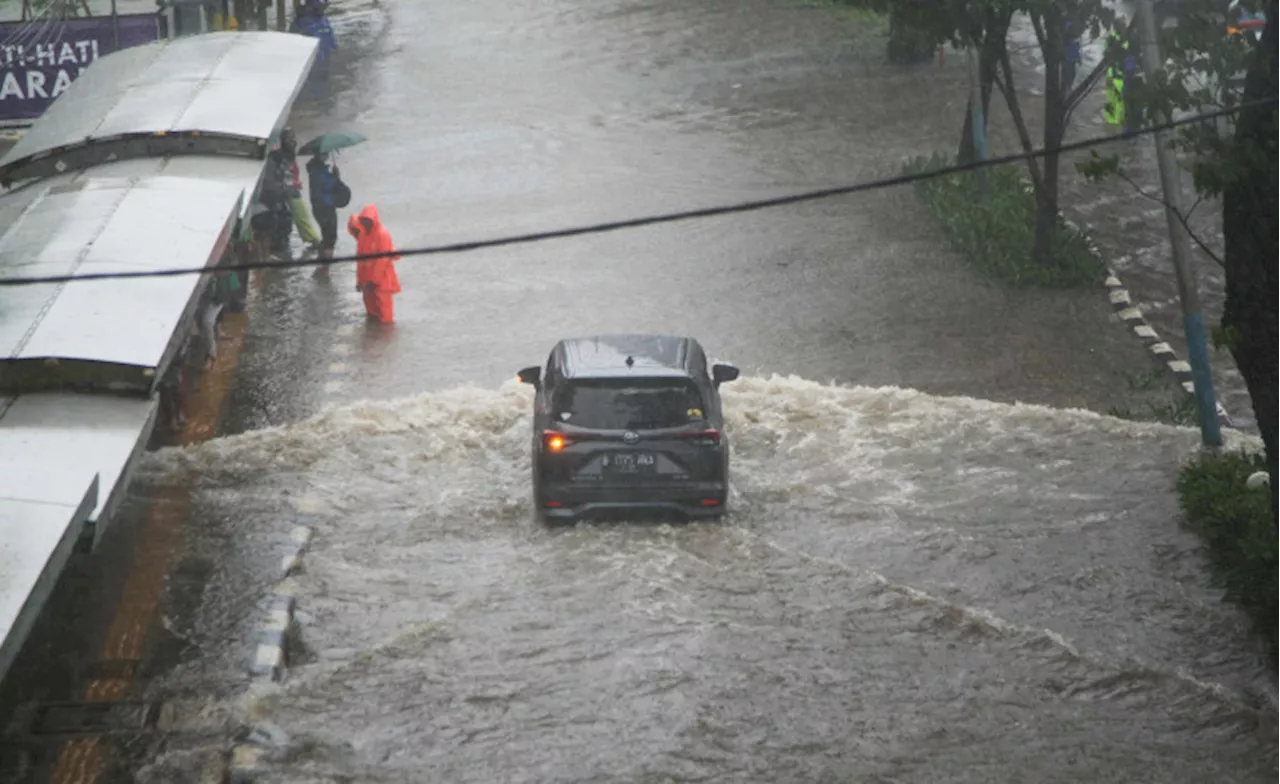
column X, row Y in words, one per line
column 1132, row 317
column 271, row 654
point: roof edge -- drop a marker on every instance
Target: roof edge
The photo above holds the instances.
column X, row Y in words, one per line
column 91, row 152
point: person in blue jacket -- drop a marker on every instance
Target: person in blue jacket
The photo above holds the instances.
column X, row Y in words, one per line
column 311, row 20
column 326, row 182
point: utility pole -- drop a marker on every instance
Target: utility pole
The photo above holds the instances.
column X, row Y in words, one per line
column 1180, row 240
column 978, row 125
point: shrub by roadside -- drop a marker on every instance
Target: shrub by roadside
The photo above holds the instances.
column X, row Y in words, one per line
column 997, row 235
column 1235, row 522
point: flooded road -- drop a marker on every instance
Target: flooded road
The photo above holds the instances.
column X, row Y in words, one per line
column 910, row 587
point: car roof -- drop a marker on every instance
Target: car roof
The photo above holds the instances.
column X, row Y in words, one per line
column 605, row 356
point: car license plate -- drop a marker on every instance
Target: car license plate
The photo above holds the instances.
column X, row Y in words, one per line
column 630, row 463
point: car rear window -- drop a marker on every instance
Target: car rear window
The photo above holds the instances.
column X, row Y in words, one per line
column 629, row 404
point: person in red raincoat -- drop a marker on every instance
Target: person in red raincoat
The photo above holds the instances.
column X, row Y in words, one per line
column 375, row 278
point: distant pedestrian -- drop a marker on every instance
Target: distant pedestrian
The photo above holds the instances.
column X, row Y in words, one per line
column 1124, row 79
column 173, row 390
column 376, row 278
column 328, row 192
column 311, row 21
column 1071, row 58
column 273, row 223
column 216, row 300
column 293, row 182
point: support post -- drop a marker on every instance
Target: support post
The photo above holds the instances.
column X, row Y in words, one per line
column 978, row 124
column 1180, row 240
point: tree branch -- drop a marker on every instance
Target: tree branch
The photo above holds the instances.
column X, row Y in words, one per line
column 1015, row 109
column 1192, row 211
column 1085, row 86
column 1181, row 218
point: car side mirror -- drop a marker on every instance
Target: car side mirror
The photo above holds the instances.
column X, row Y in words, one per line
column 531, row 376
column 722, row 373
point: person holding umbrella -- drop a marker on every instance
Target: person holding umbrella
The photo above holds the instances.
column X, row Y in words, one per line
column 328, row 192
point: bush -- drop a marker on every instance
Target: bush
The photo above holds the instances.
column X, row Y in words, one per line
column 998, row 235
column 1236, row 524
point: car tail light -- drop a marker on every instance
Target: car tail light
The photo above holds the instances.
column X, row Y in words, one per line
column 708, row 437
column 711, row 502
column 555, row 442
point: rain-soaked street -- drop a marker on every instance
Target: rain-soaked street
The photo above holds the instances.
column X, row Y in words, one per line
column 946, row 570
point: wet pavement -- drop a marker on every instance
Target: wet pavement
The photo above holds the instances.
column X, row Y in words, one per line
column 910, row 587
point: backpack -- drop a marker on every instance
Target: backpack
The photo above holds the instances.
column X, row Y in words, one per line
column 341, row 194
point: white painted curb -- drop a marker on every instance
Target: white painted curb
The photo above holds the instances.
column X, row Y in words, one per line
column 271, row 654
column 1132, row 317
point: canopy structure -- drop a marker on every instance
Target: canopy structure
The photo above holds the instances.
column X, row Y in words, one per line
column 214, row 94
column 116, row 335
column 50, row 442
column 147, row 162
column 38, row 533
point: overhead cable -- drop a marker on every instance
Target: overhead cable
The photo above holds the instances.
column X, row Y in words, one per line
column 650, row 220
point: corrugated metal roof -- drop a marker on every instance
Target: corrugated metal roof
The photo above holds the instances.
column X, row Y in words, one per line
column 228, row 86
column 36, row 540
column 50, row 441
column 133, row 215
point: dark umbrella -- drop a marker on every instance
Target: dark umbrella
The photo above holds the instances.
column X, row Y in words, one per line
column 329, row 142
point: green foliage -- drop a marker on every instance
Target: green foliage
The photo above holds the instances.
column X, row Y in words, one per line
column 1180, row 411
column 1238, row 530
column 1203, row 69
column 856, row 13
column 997, row 234
column 1141, row 382
column 1099, row 167
column 1226, row 337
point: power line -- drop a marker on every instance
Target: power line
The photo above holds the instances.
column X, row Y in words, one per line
column 650, row 220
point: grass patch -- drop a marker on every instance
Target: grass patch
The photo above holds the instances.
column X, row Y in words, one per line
column 1180, row 410
column 850, row 12
column 998, row 235
column 1238, row 530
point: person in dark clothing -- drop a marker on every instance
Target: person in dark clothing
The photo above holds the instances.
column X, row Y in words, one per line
column 311, row 21
column 324, row 179
column 1071, row 58
column 277, row 221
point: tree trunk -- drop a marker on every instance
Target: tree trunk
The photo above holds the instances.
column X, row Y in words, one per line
column 1249, row 224
column 1055, row 116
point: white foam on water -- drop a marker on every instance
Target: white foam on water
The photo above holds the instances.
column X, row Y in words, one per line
column 999, row 527
column 765, row 415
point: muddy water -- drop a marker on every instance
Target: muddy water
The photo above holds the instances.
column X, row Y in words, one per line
column 909, row 588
